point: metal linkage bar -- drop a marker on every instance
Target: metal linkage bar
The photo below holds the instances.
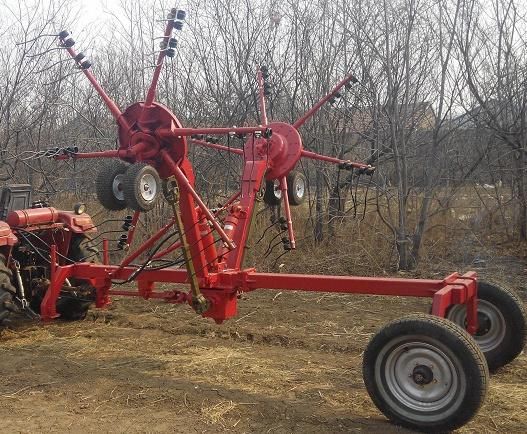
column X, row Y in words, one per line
column 119, row 153
column 217, row 146
column 184, row 183
column 166, row 133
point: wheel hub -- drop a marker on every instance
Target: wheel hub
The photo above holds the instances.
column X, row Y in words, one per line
column 492, row 326
column 422, row 375
column 117, row 187
column 484, row 324
column 148, row 187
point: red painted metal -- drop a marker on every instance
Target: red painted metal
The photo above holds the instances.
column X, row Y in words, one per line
column 32, row 217
column 303, row 119
column 7, row 237
column 150, row 132
column 124, row 154
column 261, row 97
column 159, row 64
column 217, row 146
column 287, row 212
column 166, row 133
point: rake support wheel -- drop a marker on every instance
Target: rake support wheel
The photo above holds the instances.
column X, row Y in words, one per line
column 141, row 186
column 502, row 322
column 425, row 373
column 296, row 188
column 273, row 194
column 109, row 185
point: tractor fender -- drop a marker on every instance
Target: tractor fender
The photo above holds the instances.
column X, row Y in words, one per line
column 77, row 223
column 7, row 238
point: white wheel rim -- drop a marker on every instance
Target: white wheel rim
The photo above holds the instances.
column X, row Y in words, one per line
column 492, row 327
column 300, row 188
column 117, row 187
column 148, row 187
column 276, row 189
column 420, row 378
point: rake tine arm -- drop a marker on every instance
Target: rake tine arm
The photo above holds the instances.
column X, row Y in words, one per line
column 261, row 96
column 301, row 121
column 366, row 168
column 112, row 106
column 159, row 64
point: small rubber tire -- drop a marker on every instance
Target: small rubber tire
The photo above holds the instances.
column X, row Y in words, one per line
column 296, row 188
column 142, row 187
column 273, row 194
column 109, row 185
column 6, row 290
column 426, row 373
column 502, row 321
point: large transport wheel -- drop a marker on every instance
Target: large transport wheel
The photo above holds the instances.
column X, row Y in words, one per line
column 109, row 185
column 6, row 290
column 273, row 194
column 502, row 323
column 142, row 186
column 73, row 306
column 425, row 373
column 296, row 188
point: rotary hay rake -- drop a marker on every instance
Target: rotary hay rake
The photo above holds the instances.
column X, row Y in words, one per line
column 422, row 371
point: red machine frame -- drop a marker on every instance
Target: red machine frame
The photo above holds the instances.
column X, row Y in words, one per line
column 149, row 132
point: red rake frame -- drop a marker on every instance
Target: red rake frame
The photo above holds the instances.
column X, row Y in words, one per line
column 150, row 132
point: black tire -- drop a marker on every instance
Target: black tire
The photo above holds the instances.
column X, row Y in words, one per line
column 82, row 249
column 109, row 184
column 74, row 307
column 296, row 188
column 141, row 187
column 273, row 194
column 407, row 365
column 6, row 290
column 502, row 323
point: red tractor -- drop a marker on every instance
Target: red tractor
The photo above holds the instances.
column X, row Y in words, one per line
column 422, row 371
column 27, row 230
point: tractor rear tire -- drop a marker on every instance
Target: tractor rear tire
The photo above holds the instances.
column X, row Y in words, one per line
column 6, row 291
column 426, row 373
column 502, row 323
column 73, row 307
column 109, row 185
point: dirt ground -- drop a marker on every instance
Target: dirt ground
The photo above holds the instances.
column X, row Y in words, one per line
column 289, row 363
